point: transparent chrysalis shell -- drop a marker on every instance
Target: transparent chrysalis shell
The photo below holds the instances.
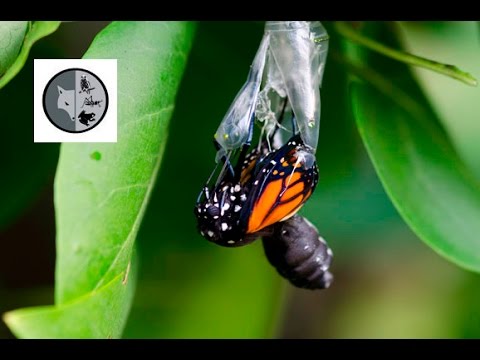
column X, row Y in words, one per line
column 299, row 50
column 290, row 61
column 234, row 128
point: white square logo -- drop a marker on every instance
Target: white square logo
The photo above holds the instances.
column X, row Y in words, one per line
column 75, row 100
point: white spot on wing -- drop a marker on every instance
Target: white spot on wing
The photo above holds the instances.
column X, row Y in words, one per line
column 224, row 226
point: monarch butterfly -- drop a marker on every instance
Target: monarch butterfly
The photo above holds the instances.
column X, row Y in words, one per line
column 259, row 193
column 264, row 188
column 268, row 186
column 299, row 254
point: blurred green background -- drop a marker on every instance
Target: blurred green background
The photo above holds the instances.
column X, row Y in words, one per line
column 387, row 282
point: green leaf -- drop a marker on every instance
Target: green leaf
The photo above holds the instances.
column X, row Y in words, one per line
column 458, row 108
column 100, row 203
column 11, row 65
column 428, row 183
column 11, row 38
column 101, row 190
column 98, row 314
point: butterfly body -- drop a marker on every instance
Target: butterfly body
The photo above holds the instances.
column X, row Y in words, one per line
column 299, row 253
column 271, row 187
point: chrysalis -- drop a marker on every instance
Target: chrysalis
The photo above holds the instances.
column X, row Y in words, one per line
column 299, row 253
column 288, row 66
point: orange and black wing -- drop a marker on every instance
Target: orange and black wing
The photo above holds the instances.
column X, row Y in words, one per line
column 248, row 166
column 280, row 184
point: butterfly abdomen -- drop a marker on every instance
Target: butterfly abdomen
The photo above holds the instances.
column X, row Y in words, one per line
column 299, row 254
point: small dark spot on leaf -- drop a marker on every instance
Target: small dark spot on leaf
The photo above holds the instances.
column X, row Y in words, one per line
column 96, row 155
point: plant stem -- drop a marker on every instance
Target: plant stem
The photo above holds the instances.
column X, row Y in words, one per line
column 445, row 69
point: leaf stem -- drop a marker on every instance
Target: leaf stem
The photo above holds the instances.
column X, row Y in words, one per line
column 449, row 70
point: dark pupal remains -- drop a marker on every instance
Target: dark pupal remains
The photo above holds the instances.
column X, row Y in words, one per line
column 299, row 254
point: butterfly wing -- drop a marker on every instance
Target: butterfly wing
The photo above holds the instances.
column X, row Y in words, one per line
column 280, row 185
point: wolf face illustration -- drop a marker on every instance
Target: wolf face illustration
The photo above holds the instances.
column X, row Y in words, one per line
column 66, row 101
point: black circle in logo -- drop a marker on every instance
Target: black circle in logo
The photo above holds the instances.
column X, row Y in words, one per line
column 75, row 100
